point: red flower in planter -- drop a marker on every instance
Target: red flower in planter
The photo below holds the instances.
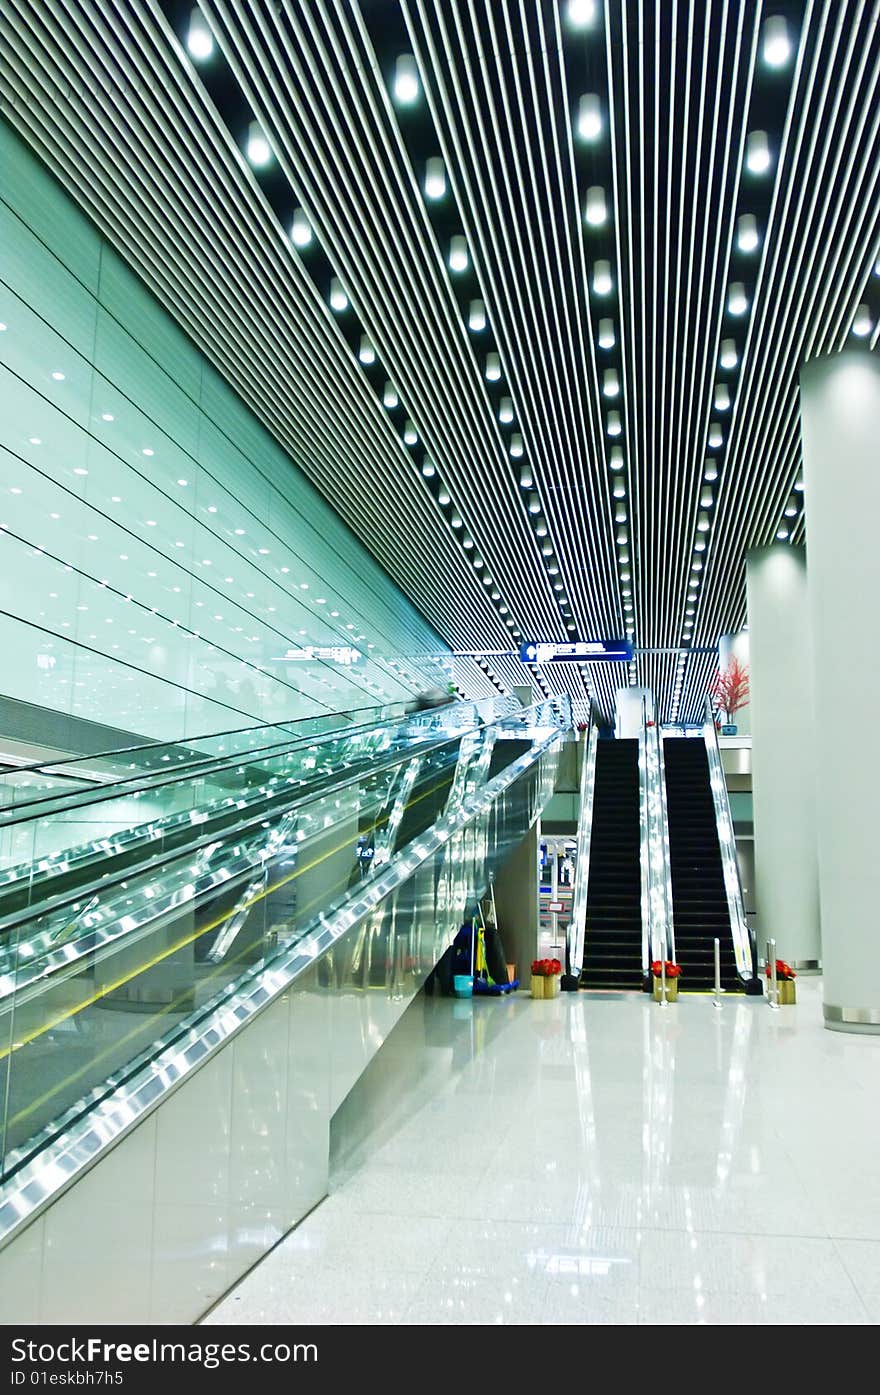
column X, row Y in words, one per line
column 546, row 968
column 672, row 970
column 783, row 970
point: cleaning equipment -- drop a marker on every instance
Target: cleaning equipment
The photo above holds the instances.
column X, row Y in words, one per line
column 484, row 983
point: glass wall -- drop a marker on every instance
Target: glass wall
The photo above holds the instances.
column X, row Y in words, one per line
column 165, row 568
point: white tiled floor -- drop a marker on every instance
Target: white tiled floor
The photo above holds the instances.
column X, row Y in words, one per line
column 601, row 1160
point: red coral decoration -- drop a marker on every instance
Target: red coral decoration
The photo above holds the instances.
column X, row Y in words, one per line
column 783, row 970
column 672, row 970
column 730, row 688
column 546, row 968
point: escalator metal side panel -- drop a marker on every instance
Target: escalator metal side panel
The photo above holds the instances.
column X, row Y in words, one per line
column 226, row 1134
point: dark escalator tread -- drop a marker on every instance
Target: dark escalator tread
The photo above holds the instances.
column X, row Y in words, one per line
column 613, row 942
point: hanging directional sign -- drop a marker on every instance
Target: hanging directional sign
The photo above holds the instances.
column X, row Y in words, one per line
column 589, row 650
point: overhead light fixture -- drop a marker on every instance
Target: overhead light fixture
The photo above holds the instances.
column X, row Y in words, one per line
column 366, row 352
column 737, row 302
column 406, row 80
column 775, row 43
column 757, row 152
column 782, row 534
column 747, row 238
column 526, row 478
column 602, row 282
column 702, row 527
column 862, row 323
column 259, row 152
column 493, row 366
column 607, row 338
column 458, row 253
column 699, row 545
column 443, row 496
column 410, row 435
column 338, row 298
column 792, row 508
column 706, row 498
column 534, row 504
column 620, row 514
column 516, row 445
column 457, row 521
column 619, row 490
column 505, row 410
column 716, row 437
column 799, row 484
column 710, row 470
column 729, row 356
column 615, row 461
column 596, row 208
column 199, row 39
column 722, row 397
column 435, row 178
column 477, row 316
column 614, row 425
column 610, row 383
column 429, row 469
column 389, row 396
column 301, row 229
column 589, row 117
column 541, row 527
column 581, row 13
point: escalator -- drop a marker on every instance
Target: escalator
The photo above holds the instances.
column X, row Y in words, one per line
column 699, row 896
column 613, row 933
column 340, row 859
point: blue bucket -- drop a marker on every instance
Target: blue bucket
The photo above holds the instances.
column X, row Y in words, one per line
column 463, row 986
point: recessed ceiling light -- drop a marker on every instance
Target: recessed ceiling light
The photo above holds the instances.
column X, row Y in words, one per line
column 757, row 152
column 722, row 397
column 782, row 534
column 366, row 352
column 259, row 152
column 747, row 238
column 607, row 338
column 300, row 229
column 406, row 80
column 493, row 367
column 610, row 383
column 435, row 178
column 737, row 301
column 862, row 323
column 458, row 253
column 581, row 13
column 410, row 435
column 428, row 468
column 614, row 424
column 602, row 283
column 477, row 316
column 589, row 117
column 199, row 39
column 516, row 445
column 729, row 357
column 596, row 207
column 775, row 45
column 716, row 437
column 338, row 297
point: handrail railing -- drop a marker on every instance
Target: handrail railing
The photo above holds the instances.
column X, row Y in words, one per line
column 745, row 953
column 577, row 926
column 657, row 932
column 667, row 859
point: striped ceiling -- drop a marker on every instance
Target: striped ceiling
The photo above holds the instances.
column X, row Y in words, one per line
column 522, row 285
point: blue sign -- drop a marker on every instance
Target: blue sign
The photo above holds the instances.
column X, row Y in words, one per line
column 584, row 651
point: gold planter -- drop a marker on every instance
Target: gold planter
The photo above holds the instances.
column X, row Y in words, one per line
column 787, row 991
column 551, row 986
column 538, row 982
column 671, row 990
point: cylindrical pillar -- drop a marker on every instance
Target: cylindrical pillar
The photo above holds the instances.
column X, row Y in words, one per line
column 840, row 411
column 783, row 773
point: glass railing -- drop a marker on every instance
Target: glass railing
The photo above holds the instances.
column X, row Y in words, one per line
column 93, row 975
column 746, row 958
column 658, row 941
column 577, row 926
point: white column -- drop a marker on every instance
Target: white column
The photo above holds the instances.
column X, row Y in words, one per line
column 783, row 771
column 840, row 410
column 737, row 647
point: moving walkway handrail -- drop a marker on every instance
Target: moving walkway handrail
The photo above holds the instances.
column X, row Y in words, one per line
column 744, row 949
column 142, row 781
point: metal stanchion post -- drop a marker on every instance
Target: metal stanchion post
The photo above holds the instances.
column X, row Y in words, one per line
column 717, row 1002
column 774, row 986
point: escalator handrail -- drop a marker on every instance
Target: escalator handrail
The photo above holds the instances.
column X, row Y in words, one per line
column 743, row 945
